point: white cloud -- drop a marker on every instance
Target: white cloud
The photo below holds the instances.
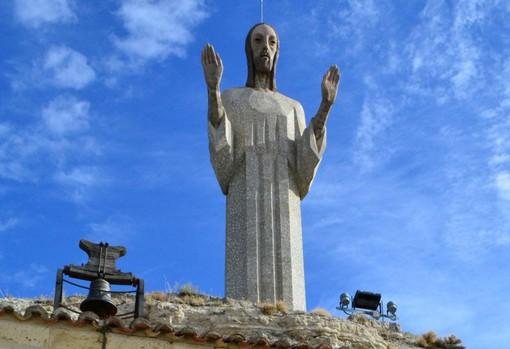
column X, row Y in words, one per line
column 66, row 114
column 8, row 224
column 86, row 176
column 376, row 116
column 503, row 184
column 16, row 147
column 35, row 151
column 79, row 181
column 5, row 130
column 157, row 29
column 68, row 68
column 30, row 277
column 446, row 51
column 115, row 230
column 35, row 13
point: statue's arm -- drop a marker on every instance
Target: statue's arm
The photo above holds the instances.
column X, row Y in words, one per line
column 213, row 70
column 220, row 129
column 309, row 152
column 329, row 91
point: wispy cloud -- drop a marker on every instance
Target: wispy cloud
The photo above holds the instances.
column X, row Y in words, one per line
column 448, row 60
column 68, row 68
column 503, row 184
column 376, row 115
column 157, row 29
column 28, row 278
column 17, row 147
column 358, row 18
column 8, row 224
column 66, row 114
column 43, row 149
column 80, row 182
column 114, row 230
column 35, row 13
column 431, row 214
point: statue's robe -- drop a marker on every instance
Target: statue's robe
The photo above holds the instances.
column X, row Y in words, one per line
column 265, row 160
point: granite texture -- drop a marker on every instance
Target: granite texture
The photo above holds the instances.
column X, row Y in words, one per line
column 265, row 159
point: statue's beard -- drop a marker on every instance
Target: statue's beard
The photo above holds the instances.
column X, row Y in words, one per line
column 263, row 65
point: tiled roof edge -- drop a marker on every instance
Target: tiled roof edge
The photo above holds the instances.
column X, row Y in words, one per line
column 145, row 328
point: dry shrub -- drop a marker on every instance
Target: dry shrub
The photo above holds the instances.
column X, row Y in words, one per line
column 268, row 308
column 432, row 341
column 452, row 342
column 321, row 312
column 427, row 340
column 189, row 294
column 187, row 290
column 158, row 296
column 193, row 299
column 282, row 307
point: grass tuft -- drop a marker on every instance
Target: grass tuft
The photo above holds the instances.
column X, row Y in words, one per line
column 268, row 308
column 273, row 308
column 187, row 290
column 282, row 307
column 158, row 296
column 432, row 341
column 321, row 312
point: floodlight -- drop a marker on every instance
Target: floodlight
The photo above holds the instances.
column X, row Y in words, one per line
column 366, row 300
column 391, row 308
column 367, row 303
column 345, row 300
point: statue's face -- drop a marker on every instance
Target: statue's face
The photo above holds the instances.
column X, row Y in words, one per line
column 264, row 43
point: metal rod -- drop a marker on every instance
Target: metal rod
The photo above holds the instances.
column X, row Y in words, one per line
column 88, row 288
column 261, row 11
column 58, row 289
column 139, row 302
column 100, row 258
column 105, row 258
column 121, row 291
column 77, row 285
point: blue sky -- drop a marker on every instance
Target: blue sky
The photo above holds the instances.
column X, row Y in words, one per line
column 103, row 136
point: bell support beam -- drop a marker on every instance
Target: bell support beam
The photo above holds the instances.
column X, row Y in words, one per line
column 101, row 271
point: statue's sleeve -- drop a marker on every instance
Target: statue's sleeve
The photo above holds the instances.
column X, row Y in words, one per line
column 309, row 152
column 221, row 151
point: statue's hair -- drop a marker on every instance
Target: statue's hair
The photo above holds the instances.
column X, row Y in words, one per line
column 250, row 82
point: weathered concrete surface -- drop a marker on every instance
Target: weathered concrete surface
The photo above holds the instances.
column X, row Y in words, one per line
column 229, row 319
column 265, row 159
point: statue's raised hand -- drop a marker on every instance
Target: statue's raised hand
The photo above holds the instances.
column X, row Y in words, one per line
column 213, row 67
column 330, row 85
column 329, row 91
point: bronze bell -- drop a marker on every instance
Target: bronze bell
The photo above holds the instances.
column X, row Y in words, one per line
column 99, row 300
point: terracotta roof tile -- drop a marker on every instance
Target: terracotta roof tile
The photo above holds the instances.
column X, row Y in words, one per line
column 163, row 328
column 188, row 332
column 236, row 338
column 212, row 336
column 261, row 340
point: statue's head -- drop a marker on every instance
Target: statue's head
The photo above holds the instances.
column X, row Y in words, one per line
column 262, row 47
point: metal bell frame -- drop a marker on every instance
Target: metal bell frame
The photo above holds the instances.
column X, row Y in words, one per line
column 100, row 266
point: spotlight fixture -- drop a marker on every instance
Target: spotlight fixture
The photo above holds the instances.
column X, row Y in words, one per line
column 101, row 271
column 368, row 303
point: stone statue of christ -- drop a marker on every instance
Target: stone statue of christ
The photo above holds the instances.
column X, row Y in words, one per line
column 265, row 158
